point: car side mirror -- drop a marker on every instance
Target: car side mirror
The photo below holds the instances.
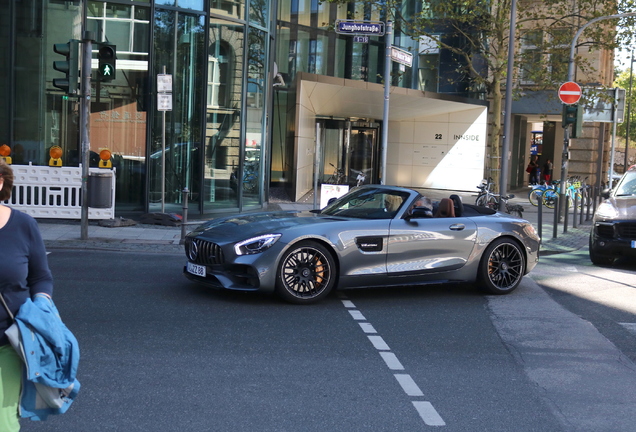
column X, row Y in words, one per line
column 605, row 193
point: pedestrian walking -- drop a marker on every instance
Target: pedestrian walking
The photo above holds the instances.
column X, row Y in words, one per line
column 24, row 272
column 547, row 171
column 533, row 170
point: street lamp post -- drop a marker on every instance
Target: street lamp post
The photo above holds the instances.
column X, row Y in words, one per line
column 629, row 110
column 503, row 180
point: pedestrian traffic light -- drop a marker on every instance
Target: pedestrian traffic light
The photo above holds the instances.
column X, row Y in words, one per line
column 107, row 56
column 70, row 66
column 573, row 115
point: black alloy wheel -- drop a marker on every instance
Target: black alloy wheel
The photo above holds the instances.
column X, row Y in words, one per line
column 306, row 273
column 502, row 267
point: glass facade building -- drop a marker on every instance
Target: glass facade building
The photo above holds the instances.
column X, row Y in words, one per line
column 236, row 68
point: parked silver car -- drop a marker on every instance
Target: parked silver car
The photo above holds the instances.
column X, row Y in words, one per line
column 373, row 236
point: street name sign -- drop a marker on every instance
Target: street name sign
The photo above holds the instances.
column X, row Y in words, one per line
column 401, row 56
column 361, row 28
column 570, row 93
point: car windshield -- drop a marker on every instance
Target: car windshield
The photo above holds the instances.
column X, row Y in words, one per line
column 368, row 203
column 627, row 185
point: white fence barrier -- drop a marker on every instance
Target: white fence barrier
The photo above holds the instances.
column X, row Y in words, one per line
column 56, row 192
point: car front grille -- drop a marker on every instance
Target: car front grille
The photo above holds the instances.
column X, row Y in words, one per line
column 626, row 230
column 203, row 252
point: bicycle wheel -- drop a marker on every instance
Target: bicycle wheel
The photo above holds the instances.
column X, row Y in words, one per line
column 534, row 196
column 549, row 198
column 481, row 200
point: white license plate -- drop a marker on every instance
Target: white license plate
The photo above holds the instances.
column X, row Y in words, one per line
column 633, row 244
column 196, row 269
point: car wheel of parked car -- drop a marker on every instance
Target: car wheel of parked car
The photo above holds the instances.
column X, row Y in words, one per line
column 599, row 260
column 306, row 273
column 502, row 267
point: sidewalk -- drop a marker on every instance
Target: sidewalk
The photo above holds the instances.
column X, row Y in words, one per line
column 165, row 239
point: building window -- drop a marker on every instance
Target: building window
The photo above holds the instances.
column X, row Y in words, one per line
column 531, row 56
column 428, row 64
column 218, row 77
column 127, row 27
column 559, row 54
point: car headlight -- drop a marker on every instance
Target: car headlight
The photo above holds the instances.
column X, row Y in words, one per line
column 256, row 245
column 606, row 211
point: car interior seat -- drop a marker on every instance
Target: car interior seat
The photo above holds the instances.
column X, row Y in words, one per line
column 446, row 208
column 458, row 204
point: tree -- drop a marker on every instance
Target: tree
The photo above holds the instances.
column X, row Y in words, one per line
column 476, row 33
column 623, row 81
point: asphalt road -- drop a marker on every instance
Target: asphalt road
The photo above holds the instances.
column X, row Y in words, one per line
column 160, row 353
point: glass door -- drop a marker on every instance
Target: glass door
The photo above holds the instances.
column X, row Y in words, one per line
column 349, row 152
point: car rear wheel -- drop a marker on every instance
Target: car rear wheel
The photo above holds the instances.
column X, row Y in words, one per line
column 306, row 273
column 502, row 267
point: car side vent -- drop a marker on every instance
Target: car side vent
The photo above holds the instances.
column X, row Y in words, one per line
column 203, row 252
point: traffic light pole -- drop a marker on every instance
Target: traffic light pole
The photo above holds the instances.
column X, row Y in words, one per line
column 85, row 106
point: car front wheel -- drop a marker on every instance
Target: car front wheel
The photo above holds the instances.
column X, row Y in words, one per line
column 306, row 273
column 502, row 267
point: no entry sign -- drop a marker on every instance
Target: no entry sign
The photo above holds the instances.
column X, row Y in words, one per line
column 570, row 92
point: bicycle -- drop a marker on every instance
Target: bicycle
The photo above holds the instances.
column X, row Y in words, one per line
column 485, row 198
column 338, row 176
column 489, row 199
column 572, row 191
column 536, row 193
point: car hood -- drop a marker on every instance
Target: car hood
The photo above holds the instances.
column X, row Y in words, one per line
column 240, row 227
column 625, row 206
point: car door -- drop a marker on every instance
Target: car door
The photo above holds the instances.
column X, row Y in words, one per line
column 429, row 245
column 362, row 247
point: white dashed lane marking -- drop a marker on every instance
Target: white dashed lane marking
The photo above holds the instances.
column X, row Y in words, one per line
column 379, row 343
column 391, row 361
column 408, row 385
column 424, row 408
column 428, row 413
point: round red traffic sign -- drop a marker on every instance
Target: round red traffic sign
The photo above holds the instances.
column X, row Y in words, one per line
column 570, row 92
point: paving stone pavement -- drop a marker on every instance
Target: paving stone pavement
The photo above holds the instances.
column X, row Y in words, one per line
column 58, row 234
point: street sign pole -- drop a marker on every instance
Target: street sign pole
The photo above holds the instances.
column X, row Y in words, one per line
column 387, row 91
column 85, row 107
column 164, row 103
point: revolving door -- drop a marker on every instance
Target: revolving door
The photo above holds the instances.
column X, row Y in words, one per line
column 350, row 152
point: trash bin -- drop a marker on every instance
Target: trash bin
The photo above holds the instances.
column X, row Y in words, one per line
column 100, row 194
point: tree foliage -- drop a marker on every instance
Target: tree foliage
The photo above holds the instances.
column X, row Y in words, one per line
column 623, row 81
column 477, row 33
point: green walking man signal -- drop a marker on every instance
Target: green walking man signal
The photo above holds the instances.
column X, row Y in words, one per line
column 107, row 56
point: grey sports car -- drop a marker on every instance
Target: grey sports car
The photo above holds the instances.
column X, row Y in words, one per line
column 373, row 236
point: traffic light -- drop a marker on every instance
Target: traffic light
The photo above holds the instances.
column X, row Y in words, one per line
column 107, row 55
column 70, row 66
column 573, row 115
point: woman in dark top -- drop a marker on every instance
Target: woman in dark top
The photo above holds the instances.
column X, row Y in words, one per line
column 24, row 272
